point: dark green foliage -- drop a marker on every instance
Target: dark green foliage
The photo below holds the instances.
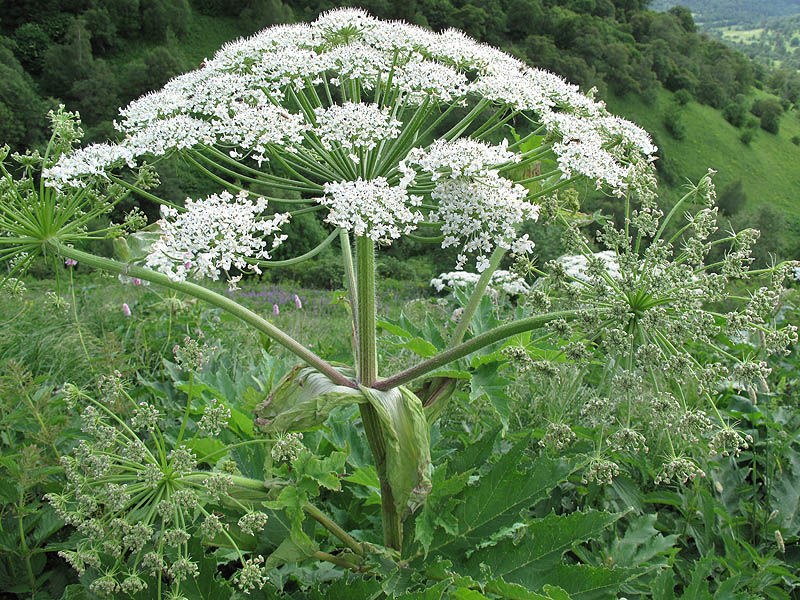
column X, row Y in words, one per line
column 102, row 28
column 125, row 16
column 673, row 121
column 769, row 111
column 68, row 62
column 772, row 223
column 682, row 97
column 747, row 136
column 684, row 16
column 735, row 114
column 731, row 198
column 31, row 42
column 796, row 140
column 157, row 66
column 19, row 103
column 159, row 18
column 258, row 14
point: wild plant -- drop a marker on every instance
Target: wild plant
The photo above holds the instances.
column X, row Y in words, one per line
column 387, row 130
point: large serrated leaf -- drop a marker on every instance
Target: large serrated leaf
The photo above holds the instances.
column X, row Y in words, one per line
column 497, row 499
column 487, row 381
column 302, row 400
column 407, row 440
column 541, row 546
column 786, row 495
column 641, row 544
column 583, row 582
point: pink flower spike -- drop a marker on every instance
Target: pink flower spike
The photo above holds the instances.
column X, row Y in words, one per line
column 297, row 303
column 275, row 309
column 136, row 281
column 126, row 309
column 70, row 262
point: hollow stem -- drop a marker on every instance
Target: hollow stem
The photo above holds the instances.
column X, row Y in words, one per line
column 367, row 375
column 475, row 298
column 479, row 341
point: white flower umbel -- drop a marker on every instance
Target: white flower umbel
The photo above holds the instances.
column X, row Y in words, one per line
column 508, row 282
column 576, row 265
column 482, row 214
column 354, row 125
column 350, row 103
column 371, row 208
column 213, row 235
column 462, row 158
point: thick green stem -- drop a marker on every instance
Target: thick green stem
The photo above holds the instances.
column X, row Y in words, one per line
column 350, row 282
column 470, row 346
column 365, row 291
column 367, row 375
column 331, row 526
column 228, row 305
column 475, row 298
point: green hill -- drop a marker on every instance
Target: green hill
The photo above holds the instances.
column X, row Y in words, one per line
column 769, row 166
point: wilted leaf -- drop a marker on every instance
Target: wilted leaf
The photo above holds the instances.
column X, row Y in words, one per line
column 407, row 439
column 302, row 400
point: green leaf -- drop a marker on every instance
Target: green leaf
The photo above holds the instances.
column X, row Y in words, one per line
column 416, row 343
column 291, row 550
column 206, row 586
column 487, row 381
column 663, row 586
column 467, row 594
column 206, row 447
column 786, row 495
column 527, row 557
column 407, row 440
column 583, row 582
column 513, row 591
column 302, row 400
column 136, row 246
column 48, row 523
column 499, row 496
column 641, row 543
column 75, row 592
column 439, row 507
column 324, row 471
column 366, row 476
column 698, row 586
column 432, row 593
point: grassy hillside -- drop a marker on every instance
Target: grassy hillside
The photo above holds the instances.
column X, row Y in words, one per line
column 204, row 36
column 769, row 166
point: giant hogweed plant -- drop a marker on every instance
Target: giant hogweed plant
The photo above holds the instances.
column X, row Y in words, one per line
column 388, row 130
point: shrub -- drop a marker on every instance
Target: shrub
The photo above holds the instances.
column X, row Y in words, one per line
column 682, row 97
column 747, row 136
column 673, row 121
column 735, row 114
column 732, row 198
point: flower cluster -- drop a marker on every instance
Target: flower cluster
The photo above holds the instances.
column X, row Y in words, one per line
column 215, row 234
column 353, row 126
column 340, row 105
column 643, row 308
column 486, row 213
column 371, row 208
column 136, row 503
column 506, row 281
